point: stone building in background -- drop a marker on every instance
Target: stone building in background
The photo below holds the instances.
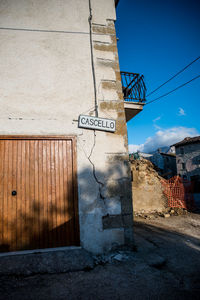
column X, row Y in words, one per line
column 188, row 160
column 164, row 161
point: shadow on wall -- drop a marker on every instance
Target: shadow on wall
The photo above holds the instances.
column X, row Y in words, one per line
column 51, row 218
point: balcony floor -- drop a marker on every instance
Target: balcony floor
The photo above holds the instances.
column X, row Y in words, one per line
column 132, row 109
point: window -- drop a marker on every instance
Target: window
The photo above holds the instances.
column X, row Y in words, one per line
column 183, row 166
column 182, row 150
column 195, row 183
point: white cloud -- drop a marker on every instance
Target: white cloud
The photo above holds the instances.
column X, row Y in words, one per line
column 157, row 119
column 154, row 123
column 156, row 127
column 181, row 112
column 135, row 148
column 164, row 137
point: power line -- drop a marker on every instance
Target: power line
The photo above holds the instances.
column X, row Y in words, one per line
column 180, row 86
column 174, row 76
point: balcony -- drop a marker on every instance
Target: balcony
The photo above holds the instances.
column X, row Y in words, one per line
column 134, row 91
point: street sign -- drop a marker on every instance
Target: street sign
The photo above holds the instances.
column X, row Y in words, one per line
column 96, row 123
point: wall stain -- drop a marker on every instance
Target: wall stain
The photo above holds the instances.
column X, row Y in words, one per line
column 103, row 47
column 107, row 29
column 118, row 105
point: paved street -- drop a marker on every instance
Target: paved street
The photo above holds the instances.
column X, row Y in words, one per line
column 165, row 264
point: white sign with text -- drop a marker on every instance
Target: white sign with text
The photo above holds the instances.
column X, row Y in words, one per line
column 96, row 123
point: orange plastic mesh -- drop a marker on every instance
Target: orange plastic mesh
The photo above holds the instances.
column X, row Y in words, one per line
column 178, row 192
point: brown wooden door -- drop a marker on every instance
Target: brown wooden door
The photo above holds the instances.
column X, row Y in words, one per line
column 38, row 197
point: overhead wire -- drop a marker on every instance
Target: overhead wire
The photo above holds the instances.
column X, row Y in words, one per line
column 180, row 86
column 174, row 76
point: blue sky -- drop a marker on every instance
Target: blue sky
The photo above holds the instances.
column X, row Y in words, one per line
column 157, row 39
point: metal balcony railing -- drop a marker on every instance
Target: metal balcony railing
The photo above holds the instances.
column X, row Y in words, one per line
column 133, row 86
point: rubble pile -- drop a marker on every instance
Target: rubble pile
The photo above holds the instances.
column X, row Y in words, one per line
column 147, row 189
column 166, row 213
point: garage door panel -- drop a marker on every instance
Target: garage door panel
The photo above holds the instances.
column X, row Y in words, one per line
column 2, row 151
column 18, row 180
column 57, row 192
column 66, row 191
column 53, row 210
column 22, row 203
column 62, row 196
column 4, row 188
column 70, row 186
column 36, row 204
column 14, row 199
column 42, row 214
column 31, row 192
column 44, row 217
column 10, row 211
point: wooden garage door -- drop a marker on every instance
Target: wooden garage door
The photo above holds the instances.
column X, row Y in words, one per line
column 38, row 197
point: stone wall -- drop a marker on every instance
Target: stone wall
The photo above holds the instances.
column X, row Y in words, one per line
column 188, row 161
column 146, row 187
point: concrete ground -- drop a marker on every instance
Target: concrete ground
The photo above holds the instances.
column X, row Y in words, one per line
column 164, row 264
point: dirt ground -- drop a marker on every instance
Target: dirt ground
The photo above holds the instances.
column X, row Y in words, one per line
column 164, row 264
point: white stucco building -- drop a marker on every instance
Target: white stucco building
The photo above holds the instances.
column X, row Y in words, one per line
column 61, row 185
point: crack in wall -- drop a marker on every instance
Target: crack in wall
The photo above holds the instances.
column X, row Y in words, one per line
column 101, row 184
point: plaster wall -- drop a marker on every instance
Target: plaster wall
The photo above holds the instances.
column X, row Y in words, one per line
column 46, row 83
